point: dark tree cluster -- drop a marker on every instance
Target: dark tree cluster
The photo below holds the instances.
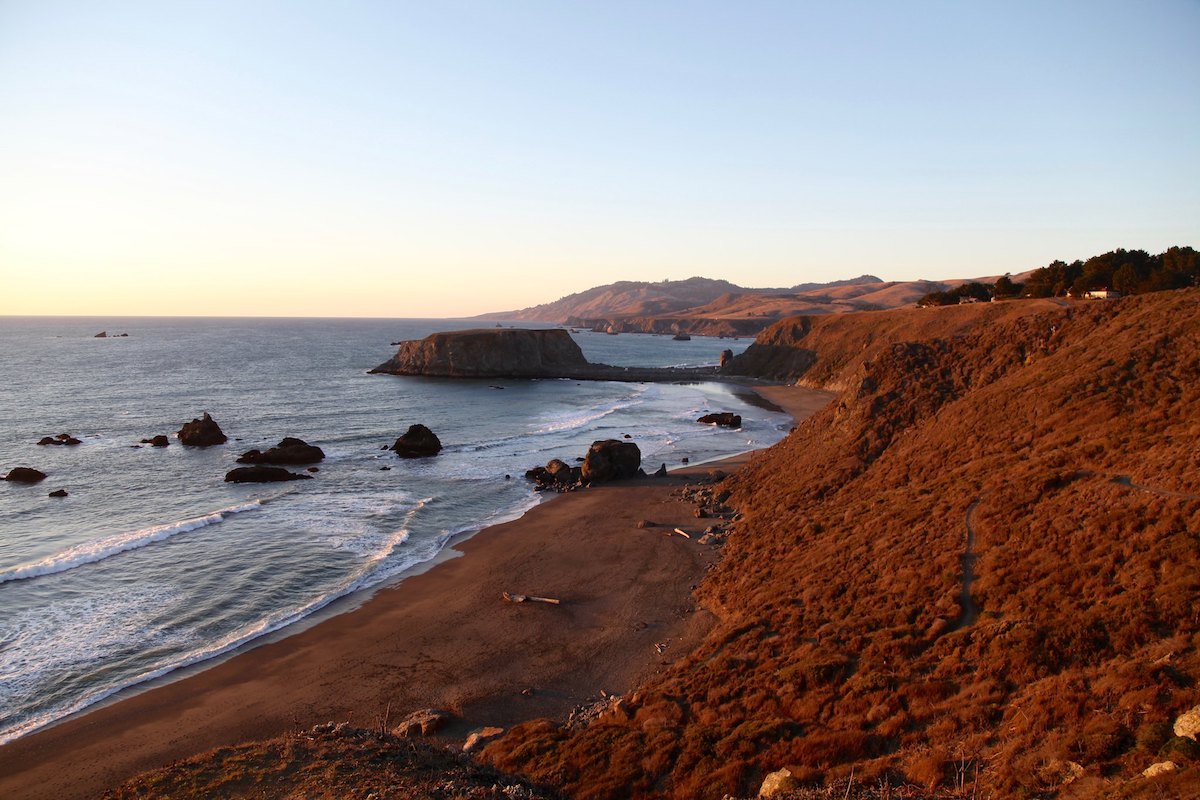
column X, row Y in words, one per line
column 970, row 292
column 1125, row 271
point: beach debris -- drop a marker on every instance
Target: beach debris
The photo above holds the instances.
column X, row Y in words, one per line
column 645, row 523
column 682, row 533
column 481, row 737
column 263, row 475
column 58, row 493
column 202, row 432
column 529, row 598
column 25, row 475
column 417, row 442
column 723, row 419
column 290, row 450
column 157, row 441
column 425, row 722
column 61, row 439
column 661, row 647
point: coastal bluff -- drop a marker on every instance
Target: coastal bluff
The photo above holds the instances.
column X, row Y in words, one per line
column 516, row 353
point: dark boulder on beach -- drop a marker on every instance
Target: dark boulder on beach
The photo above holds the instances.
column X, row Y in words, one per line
column 289, row 451
column 157, row 441
column 263, row 475
column 724, row 419
column 417, row 442
column 25, row 475
column 202, row 432
column 557, row 475
column 611, row 459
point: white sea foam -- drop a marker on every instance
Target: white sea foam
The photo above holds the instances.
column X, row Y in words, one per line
column 91, row 552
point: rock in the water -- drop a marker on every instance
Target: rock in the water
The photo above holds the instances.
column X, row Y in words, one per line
column 726, row 357
column 417, row 442
column 1188, row 724
column 725, row 419
column 58, row 493
column 289, row 451
column 488, row 353
column 778, row 783
column 682, row 337
column 557, row 475
column 1161, row 768
column 62, row 438
column 202, row 432
column 157, row 441
column 611, row 459
column 263, row 475
column 481, row 737
column 25, row 475
column 101, row 335
column 661, row 472
column 425, row 722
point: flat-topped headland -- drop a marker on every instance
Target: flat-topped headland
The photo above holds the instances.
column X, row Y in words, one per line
column 520, row 353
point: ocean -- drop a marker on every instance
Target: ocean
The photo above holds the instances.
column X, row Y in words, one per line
column 152, row 562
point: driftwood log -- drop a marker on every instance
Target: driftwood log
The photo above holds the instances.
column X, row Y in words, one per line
column 528, row 598
column 682, row 533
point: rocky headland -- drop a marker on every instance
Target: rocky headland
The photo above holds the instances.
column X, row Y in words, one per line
column 517, row 353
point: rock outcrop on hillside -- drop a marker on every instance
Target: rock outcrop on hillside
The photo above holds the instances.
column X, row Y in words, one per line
column 1039, row 471
column 488, row 353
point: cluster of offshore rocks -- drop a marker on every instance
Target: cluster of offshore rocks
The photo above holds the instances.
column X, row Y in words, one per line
column 261, row 466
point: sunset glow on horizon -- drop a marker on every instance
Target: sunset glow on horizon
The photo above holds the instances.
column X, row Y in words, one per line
column 434, row 160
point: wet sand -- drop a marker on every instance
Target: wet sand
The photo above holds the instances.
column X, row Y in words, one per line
column 444, row 638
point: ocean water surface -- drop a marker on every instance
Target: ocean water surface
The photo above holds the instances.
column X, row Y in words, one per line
column 153, row 562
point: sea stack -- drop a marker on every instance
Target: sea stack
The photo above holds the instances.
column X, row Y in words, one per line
column 488, row 353
column 202, row 432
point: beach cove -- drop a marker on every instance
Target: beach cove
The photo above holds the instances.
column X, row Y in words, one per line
column 444, row 638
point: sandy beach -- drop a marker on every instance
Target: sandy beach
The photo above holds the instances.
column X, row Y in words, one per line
column 444, row 638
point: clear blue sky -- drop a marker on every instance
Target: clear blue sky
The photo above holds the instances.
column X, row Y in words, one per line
column 440, row 158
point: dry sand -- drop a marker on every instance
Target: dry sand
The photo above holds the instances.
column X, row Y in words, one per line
column 444, row 639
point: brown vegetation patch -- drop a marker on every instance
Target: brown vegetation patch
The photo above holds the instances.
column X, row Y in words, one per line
column 835, row 649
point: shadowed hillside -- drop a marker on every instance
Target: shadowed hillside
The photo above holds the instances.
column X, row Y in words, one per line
column 978, row 568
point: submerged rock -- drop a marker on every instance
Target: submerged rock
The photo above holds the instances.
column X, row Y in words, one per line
column 263, row 475
column 157, row 441
column 724, row 419
column 611, row 459
column 61, row 439
column 25, row 475
column 202, row 432
column 289, row 451
column 58, row 493
column 417, row 442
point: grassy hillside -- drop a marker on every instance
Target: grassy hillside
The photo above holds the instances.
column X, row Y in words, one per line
column 978, row 568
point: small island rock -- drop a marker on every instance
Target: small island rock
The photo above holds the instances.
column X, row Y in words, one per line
column 263, row 475
column 25, row 475
column 289, row 451
column 417, row 442
column 157, row 441
column 202, row 432
column 58, row 493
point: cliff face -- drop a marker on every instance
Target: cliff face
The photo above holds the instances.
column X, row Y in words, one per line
column 825, row 351
column 488, row 353
column 979, row 564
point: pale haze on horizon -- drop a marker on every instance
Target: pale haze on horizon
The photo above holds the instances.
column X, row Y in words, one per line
column 448, row 159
